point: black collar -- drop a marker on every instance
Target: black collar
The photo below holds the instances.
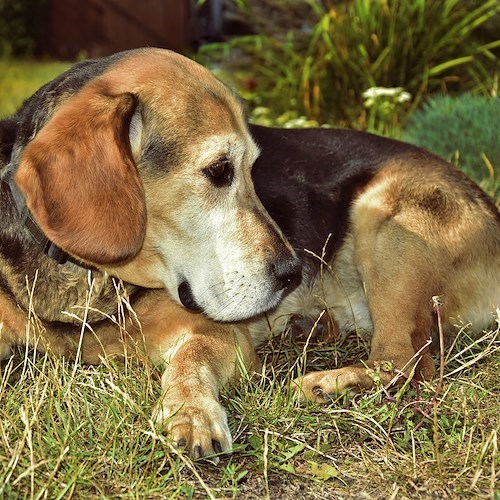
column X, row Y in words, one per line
column 26, row 218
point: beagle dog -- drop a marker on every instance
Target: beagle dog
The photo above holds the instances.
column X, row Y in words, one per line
column 141, row 214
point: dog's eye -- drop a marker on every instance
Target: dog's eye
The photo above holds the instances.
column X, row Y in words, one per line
column 221, row 173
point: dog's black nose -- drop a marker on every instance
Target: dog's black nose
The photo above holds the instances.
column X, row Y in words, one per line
column 287, row 272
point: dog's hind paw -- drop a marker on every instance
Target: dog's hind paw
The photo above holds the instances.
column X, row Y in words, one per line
column 326, row 385
column 199, row 428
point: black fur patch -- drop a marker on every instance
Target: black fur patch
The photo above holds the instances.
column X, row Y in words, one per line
column 307, row 180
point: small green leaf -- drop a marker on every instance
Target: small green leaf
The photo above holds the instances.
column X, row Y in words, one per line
column 255, row 442
column 323, row 471
column 294, row 450
column 287, row 467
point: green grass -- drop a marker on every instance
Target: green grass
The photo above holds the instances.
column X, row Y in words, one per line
column 20, row 79
column 88, row 433
column 344, row 48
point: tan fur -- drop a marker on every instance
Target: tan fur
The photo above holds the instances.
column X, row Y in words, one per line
column 54, row 163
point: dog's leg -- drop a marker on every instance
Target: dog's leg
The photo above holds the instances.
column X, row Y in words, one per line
column 399, row 334
column 191, row 383
column 201, row 357
column 396, row 269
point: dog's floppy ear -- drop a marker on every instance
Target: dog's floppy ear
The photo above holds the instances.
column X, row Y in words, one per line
column 80, row 180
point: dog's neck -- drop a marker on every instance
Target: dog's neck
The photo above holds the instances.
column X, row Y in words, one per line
column 27, row 220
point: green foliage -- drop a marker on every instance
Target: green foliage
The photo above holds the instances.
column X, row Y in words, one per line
column 20, row 79
column 421, row 46
column 21, row 25
column 463, row 129
column 289, row 119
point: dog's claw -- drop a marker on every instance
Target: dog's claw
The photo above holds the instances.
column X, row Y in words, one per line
column 318, row 392
column 216, row 446
column 181, row 443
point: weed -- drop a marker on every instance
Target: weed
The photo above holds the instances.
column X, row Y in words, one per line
column 89, row 433
column 421, row 46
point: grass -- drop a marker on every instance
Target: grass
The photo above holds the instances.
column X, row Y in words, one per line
column 87, row 432
column 322, row 69
column 20, row 79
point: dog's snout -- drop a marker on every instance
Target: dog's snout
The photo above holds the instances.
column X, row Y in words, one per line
column 287, row 272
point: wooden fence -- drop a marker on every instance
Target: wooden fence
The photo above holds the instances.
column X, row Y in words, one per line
column 94, row 28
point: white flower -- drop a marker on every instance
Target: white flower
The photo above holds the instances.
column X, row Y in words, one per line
column 398, row 93
column 404, row 97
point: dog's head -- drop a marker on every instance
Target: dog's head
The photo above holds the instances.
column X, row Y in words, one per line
column 144, row 171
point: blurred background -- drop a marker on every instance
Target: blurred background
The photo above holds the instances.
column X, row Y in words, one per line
column 425, row 71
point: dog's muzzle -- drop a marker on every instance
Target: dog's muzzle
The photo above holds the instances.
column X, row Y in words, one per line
column 284, row 275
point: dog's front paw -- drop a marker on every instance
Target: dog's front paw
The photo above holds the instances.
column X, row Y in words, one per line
column 323, row 386
column 199, row 427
